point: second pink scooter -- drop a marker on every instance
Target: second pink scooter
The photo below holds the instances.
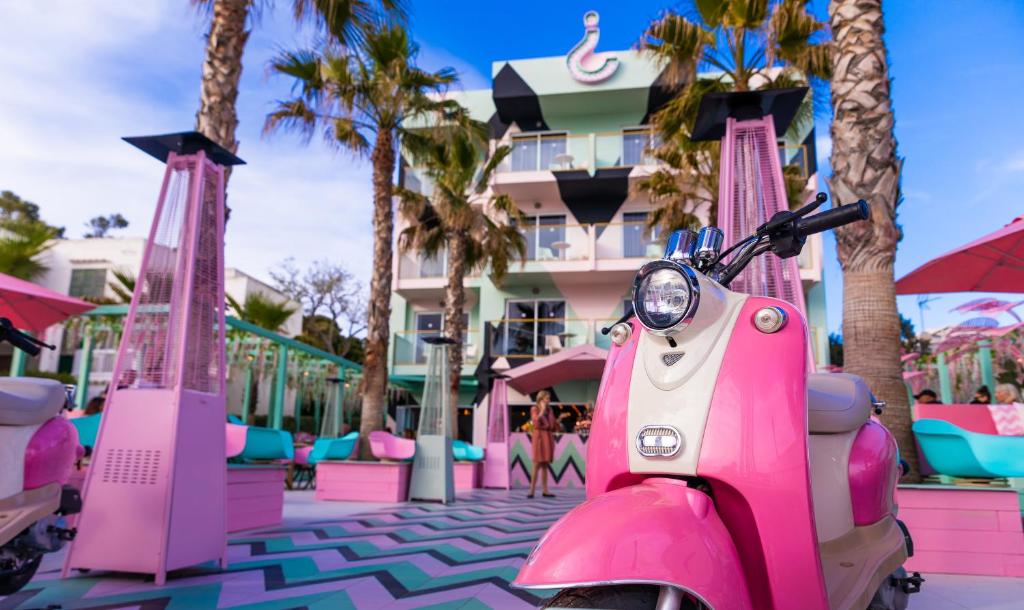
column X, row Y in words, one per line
column 719, row 473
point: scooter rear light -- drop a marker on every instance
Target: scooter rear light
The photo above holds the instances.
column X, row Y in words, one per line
column 658, row 441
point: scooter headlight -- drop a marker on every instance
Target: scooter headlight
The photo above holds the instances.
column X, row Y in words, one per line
column 665, row 296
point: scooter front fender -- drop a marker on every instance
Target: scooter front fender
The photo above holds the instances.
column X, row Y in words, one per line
column 657, row 532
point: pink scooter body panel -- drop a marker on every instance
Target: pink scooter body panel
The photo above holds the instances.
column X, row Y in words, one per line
column 873, row 473
column 608, row 468
column 658, row 532
column 51, row 454
column 754, row 453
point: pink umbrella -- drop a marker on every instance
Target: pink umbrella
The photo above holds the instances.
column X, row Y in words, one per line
column 994, row 263
column 30, row 306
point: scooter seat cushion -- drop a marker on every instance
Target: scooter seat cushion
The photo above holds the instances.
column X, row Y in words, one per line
column 837, row 402
column 26, row 401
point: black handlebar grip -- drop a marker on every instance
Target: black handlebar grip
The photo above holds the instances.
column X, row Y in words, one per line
column 830, row 219
column 22, row 342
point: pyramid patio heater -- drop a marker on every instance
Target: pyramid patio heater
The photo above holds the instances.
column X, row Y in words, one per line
column 750, row 182
column 496, row 473
column 155, row 493
column 433, row 468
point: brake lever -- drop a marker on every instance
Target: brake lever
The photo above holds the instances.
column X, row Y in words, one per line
column 781, row 219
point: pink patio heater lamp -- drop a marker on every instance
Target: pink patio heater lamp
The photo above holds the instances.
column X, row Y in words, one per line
column 155, row 493
column 750, row 183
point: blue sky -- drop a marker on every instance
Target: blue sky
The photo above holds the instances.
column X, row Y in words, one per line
column 75, row 76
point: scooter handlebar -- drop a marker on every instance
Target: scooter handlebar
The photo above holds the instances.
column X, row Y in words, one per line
column 18, row 339
column 830, row 219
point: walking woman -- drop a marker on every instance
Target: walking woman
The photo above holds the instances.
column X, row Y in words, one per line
column 543, row 442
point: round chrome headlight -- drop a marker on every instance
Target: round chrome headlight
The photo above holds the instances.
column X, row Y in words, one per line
column 665, row 296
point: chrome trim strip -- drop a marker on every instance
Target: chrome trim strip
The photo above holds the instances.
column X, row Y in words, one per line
column 612, row 583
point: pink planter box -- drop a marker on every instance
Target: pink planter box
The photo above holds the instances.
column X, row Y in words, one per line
column 363, row 481
column 255, row 496
column 467, row 475
column 962, row 530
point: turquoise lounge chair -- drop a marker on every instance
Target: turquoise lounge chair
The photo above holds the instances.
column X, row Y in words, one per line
column 953, row 451
column 464, row 452
column 265, row 444
column 333, row 448
column 88, row 427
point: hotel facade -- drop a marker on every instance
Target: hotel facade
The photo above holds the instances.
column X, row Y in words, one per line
column 580, row 139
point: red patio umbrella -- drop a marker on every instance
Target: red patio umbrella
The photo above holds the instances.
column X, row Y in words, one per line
column 31, row 307
column 994, row 263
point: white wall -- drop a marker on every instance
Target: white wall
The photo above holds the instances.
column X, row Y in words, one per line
column 114, row 253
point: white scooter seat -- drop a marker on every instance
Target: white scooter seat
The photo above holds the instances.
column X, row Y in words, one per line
column 837, row 402
column 27, row 401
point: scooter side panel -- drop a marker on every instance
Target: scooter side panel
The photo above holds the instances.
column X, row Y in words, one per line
column 657, row 532
column 51, row 454
column 608, row 468
column 754, row 454
column 873, row 473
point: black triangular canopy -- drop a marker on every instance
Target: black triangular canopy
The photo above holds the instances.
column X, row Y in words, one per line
column 715, row 108
column 516, row 101
column 183, row 143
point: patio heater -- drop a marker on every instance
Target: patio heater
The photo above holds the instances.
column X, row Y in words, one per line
column 750, row 183
column 433, row 469
column 496, row 473
column 156, row 490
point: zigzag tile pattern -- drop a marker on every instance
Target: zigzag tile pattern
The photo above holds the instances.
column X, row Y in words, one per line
column 411, row 556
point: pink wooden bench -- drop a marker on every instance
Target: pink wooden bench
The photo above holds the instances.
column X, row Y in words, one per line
column 963, row 530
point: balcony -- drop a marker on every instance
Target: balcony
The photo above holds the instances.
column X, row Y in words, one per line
column 416, row 276
column 528, row 338
column 410, row 349
column 535, row 152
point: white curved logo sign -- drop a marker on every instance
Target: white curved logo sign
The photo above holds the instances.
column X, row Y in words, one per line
column 585, row 65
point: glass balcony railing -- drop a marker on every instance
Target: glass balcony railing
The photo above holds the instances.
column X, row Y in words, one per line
column 617, row 240
column 563, row 151
column 410, row 347
column 415, row 266
column 556, row 242
column 532, row 337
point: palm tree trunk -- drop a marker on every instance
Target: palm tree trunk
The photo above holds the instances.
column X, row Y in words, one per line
column 455, row 305
column 217, row 118
column 865, row 165
column 375, row 367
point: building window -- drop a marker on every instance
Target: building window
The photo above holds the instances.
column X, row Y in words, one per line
column 637, row 145
column 545, row 237
column 531, row 328
column 88, row 283
column 430, row 325
column 638, row 240
column 534, row 152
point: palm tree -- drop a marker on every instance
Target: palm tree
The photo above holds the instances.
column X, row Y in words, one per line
column 123, row 286
column 866, row 165
column 217, row 117
column 261, row 311
column 21, row 243
column 459, row 217
column 361, row 100
column 739, row 45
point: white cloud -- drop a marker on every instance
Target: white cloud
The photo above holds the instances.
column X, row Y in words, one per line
column 77, row 76
column 435, row 58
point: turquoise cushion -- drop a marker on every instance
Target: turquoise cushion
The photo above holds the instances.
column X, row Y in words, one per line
column 234, row 419
column 956, row 452
column 464, row 452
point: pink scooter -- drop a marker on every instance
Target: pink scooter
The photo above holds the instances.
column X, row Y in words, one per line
column 719, row 473
column 38, row 450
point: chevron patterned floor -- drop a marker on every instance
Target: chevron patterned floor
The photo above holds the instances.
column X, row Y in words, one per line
column 407, row 556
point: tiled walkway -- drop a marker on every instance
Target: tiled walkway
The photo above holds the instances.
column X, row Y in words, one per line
column 341, row 555
column 324, row 556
